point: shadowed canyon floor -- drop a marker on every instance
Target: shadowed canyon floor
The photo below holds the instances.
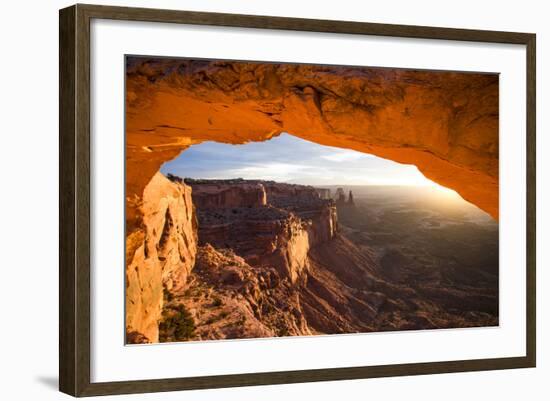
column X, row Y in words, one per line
column 263, row 259
column 239, row 259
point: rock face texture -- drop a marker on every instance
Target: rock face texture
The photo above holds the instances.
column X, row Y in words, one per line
column 445, row 123
column 306, row 203
column 213, row 195
column 275, row 269
column 241, row 302
column 324, row 193
column 278, row 231
column 160, row 254
column 263, row 235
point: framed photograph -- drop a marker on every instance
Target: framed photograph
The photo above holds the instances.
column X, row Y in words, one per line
column 250, row 200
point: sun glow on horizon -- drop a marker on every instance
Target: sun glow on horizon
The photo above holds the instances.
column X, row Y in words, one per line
column 286, row 158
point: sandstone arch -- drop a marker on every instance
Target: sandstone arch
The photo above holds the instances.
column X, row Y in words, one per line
column 445, row 123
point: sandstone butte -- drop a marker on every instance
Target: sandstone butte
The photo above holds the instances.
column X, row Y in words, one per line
column 248, row 259
column 445, row 123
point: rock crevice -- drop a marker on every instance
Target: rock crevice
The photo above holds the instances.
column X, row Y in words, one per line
column 160, row 255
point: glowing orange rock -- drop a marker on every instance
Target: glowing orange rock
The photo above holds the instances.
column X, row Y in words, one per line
column 445, row 123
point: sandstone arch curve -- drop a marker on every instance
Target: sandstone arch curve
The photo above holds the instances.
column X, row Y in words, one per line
column 445, row 123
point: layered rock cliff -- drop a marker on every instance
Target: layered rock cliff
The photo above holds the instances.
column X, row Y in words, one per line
column 280, row 267
column 445, row 123
column 243, row 226
column 278, row 232
column 214, row 194
column 160, row 254
column 228, row 298
column 304, row 201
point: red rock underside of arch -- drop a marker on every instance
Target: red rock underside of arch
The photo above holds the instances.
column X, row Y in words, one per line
column 445, row 123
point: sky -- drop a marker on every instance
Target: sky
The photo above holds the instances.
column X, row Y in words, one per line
column 286, row 158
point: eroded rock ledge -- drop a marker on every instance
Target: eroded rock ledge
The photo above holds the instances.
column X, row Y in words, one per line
column 247, row 225
column 445, row 123
column 266, row 223
column 276, row 268
column 160, row 255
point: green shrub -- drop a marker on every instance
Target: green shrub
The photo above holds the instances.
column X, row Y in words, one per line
column 178, row 325
column 167, row 295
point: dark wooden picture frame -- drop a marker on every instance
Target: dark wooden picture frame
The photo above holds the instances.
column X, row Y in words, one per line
column 74, row 199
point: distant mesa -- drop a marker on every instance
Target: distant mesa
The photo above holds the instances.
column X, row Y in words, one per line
column 379, row 111
column 340, row 195
column 265, row 222
column 341, row 198
column 239, row 258
column 258, row 258
column 350, row 198
column 324, row 193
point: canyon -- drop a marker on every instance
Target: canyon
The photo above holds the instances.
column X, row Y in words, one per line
column 445, row 123
column 223, row 259
column 252, row 258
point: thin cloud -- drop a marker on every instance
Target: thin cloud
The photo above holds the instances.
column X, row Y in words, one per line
column 290, row 159
column 344, row 156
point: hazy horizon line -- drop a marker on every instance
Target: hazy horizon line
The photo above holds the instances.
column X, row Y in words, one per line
column 418, row 185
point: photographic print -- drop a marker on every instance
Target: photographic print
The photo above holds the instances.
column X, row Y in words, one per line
column 270, row 199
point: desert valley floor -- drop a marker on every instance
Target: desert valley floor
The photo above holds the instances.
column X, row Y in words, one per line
column 252, row 258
